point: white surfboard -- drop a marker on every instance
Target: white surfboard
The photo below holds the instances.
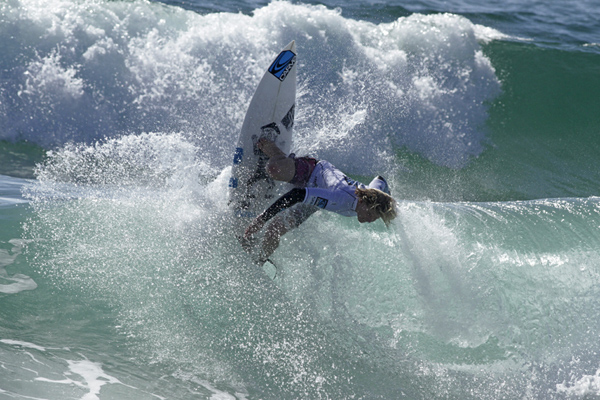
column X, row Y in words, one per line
column 271, row 115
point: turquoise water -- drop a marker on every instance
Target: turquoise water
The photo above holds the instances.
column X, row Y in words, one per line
column 120, row 277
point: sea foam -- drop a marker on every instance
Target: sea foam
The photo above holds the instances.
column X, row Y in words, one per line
column 86, row 70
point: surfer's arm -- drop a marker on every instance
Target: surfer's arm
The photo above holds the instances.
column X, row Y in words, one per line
column 294, row 196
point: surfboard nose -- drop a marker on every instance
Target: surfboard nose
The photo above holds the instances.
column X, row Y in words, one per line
column 291, row 46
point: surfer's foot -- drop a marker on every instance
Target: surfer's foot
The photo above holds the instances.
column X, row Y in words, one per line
column 247, row 244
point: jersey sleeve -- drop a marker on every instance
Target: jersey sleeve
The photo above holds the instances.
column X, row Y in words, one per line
column 292, row 197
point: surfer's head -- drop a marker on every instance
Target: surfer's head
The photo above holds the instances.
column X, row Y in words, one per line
column 374, row 204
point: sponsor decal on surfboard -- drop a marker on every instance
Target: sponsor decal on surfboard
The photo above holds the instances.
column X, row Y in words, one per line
column 288, row 120
column 283, row 64
column 238, row 155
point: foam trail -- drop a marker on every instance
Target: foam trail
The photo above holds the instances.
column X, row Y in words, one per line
column 461, row 280
column 164, row 257
column 93, row 378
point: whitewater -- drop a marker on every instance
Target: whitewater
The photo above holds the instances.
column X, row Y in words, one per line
column 121, row 278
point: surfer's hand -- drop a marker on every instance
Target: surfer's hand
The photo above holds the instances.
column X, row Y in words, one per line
column 268, row 147
column 247, row 243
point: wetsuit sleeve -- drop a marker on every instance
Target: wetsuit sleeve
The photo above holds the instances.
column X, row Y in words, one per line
column 296, row 195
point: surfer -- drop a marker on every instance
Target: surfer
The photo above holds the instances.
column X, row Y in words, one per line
column 318, row 184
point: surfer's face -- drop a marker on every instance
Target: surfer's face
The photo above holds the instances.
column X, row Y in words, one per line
column 366, row 214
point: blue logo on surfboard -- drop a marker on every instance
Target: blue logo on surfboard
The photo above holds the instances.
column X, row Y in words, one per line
column 283, row 64
column 238, row 155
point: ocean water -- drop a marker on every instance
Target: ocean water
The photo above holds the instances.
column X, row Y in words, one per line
column 120, row 277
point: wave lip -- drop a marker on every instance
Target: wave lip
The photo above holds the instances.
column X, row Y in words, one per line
column 439, row 82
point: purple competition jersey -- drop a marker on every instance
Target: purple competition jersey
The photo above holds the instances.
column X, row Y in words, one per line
column 330, row 189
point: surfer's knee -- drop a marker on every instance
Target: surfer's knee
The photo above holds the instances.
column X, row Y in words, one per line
column 281, row 168
column 270, row 148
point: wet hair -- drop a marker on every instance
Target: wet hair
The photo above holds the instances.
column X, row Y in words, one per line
column 383, row 203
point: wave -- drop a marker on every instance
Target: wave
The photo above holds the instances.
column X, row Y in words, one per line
column 452, row 110
column 86, row 70
column 137, row 105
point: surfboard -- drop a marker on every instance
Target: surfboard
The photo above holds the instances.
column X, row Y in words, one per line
column 271, row 115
